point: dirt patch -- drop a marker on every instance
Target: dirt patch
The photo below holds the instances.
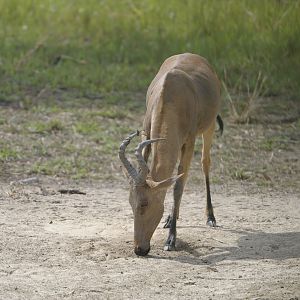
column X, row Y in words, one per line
column 76, row 246
column 57, row 246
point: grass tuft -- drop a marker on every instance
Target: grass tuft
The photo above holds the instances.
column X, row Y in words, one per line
column 8, row 154
column 52, row 126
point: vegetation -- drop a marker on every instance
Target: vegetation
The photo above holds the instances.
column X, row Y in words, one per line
column 73, row 77
column 103, row 46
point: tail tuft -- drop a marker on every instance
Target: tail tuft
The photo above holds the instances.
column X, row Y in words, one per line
column 221, row 124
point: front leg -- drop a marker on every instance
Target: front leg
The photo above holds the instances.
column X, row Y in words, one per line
column 185, row 159
column 172, row 219
column 170, row 243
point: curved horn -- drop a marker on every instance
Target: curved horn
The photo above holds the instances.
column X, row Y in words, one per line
column 141, row 161
column 128, row 166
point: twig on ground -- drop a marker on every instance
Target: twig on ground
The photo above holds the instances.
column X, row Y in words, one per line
column 71, row 191
column 30, row 180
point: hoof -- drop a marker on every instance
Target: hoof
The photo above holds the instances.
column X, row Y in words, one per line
column 168, row 222
column 211, row 222
column 170, row 243
column 168, row 247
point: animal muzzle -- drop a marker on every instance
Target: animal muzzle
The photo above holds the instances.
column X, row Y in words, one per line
column 141, row 252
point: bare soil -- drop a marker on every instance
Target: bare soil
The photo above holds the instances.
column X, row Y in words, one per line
column 56, row 246
column 76, row 246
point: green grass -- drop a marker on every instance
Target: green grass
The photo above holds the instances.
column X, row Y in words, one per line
column 8, row 153
column 73, row 77
column 50, row 126
column 63, row 142
column 75, row 169
column 114, row 46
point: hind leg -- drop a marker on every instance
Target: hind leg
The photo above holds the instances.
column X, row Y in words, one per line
column 186, row 156
column 207, row 141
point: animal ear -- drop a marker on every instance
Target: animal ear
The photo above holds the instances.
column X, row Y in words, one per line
column 162, row 184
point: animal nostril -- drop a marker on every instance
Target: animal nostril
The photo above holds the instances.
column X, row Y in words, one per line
column 140, row 252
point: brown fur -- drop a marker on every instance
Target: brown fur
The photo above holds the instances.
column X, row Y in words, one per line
column 182, row 102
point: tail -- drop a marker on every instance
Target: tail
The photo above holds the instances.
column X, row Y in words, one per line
column 221, row 124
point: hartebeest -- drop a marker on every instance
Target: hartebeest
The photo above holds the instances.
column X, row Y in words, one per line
column 183, row 101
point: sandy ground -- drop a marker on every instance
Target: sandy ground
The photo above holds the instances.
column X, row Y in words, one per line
column 55, row 246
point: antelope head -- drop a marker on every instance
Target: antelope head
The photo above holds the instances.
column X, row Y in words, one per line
column 146, row 196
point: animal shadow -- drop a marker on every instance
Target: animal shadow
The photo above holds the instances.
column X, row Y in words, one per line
column 250, row 246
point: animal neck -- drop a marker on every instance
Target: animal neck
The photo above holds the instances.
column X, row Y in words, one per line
column 164, row 158
column 164, row 124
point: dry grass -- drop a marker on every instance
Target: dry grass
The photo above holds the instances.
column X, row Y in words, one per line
column 242, row 108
